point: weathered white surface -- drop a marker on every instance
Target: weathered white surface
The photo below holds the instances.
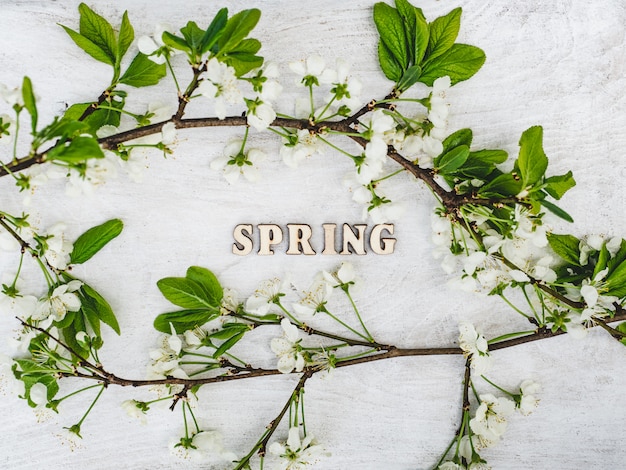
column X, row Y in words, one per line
column 559, row 64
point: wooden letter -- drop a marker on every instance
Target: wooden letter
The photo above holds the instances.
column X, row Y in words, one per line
column 243, row 241
column 382, row 246
column 269, row 234
column 356, row 241
column 329, row 239
column 299, row 239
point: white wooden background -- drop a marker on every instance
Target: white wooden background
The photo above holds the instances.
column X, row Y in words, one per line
column 558, row 63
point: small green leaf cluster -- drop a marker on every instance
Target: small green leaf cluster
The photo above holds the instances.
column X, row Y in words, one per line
column 412, row 50
column 476, row 173
column 225, row 39
column 97, row 38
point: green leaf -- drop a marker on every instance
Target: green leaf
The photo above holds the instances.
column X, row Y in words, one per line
column 416, row 30
column 390, row 28
column 175, row 42
column 619, row 257
column 29, row 102
column 408, row 13
column 502, row 185
column 193, row 36
column 90, row 311
column 566, row 246
column 98, row 118
column 409, row 78
column 94, row 239
column 184, row 320
column 388, row 63
column 616, row 281
column 490, row 156
column 226, row 345
column 243, row 58
column 101, row 307
column 88, row 46
column 443, row 33
column 603, row 259
column 452, row 160
column 127, row 35
column 143, row 72
column 98, row 30
column 237, row 28
column 557, row 186
column 482, row 163
column 556, row 210
column 185, row 293
column 76, row 151
column 209, row 283
column 460, row 62
column 212, row 33
column 69, row 336
column 228, row 330
column 532, row 161
column 460, row 137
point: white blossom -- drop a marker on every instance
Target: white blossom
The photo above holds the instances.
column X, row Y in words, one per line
column 297, row 453
column 165, row 360
column 313, row 66
column 299, row 147
column 489, row 423
column 154, row 47
column 261, row 116
column 58, row 249
column 134, row 409
column 221, row 86
column 234, row 163
column 287, row 348
column 267, row 294
column 96, row 172
column 62, row 300
column 315, row 298
column 528, row 401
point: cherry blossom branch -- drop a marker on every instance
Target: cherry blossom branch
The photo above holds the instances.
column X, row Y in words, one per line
column 100, row 374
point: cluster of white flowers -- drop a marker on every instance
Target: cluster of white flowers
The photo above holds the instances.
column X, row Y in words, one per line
column 482, row 269
column 297, row 453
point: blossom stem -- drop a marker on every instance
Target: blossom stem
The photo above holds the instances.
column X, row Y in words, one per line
column 345, row 325
column 497, row 386
column 390, row 175
column 327, row 142
column 169, row 66
column 358, row 315
column 291, row 317
column 510, row 304
column 510, row 335
column 76, row 392
column 102, row 387
column 321, row 116
column 356, row 356
column 17, row 132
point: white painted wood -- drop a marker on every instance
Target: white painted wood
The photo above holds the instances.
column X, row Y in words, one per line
column 559, row 64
